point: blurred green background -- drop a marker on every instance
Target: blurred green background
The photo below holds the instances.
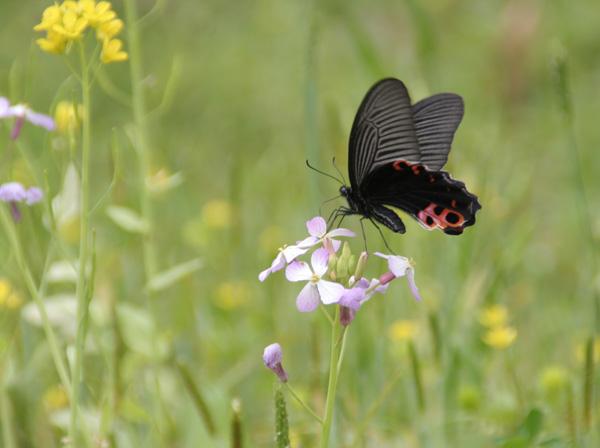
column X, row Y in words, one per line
column 241, row 94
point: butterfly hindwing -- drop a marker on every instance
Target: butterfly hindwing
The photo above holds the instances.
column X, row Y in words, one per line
column 433, row 198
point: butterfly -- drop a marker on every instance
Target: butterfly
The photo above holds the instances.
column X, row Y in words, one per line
column 395, row 157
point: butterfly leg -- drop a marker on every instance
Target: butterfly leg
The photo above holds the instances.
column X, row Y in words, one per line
column 381, row 233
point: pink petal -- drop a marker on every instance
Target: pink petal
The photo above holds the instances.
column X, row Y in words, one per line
column 352, row 298
column 317, row 227
column 308, row 242
column 319, row 260
column 40, row 120
column 379, row 254
column 277, row 264
column 292, row 252
column 12, row 192
column 4, row 107
column 410, row 274
column 330, row 292
column 272, row 355
column 308, row 299
column 336, row 244
column 398, row 265
column 298, row 271
column 34, row 195
column 341, row 232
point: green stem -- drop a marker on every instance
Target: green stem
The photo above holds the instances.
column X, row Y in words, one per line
column 333, row 376
column 303, row 404
column 140, row 143
column 11, row 233
column 82, row 302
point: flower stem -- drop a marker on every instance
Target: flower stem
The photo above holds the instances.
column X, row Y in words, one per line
column 81, row 288
column 140, row 143
column 333, row 376
column 11, row 233
column 303, row 404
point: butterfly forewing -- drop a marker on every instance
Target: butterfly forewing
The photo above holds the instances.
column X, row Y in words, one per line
column 436, row 120
column 383, row 130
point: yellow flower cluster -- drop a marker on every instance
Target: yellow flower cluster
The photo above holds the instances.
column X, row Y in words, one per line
column 67, row 22
column 9, row 298
column 498, row 334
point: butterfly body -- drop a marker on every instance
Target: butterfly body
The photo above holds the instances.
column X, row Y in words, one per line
column 396, row 153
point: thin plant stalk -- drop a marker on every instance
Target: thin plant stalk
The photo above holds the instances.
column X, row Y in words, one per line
column 81, row 288
column 11, row 234
column 150, row 259
column 333, row 376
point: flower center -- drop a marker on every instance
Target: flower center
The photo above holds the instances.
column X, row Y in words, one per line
column 281, row 249
column 315, row 278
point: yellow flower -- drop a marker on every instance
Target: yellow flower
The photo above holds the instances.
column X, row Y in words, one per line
column 72, row 26
column 217, row 214
column 111, row 51
column 54, row 42
column 231, row 295
column 96, row 14
column 493, row 316
column 500, row 337
column 70, row 6
column 55, row 398
column 5, row 288
column 109, row 29
column 9, row 298
column 66, row 116
column 403, row 330
column 50, row 17
column 554, row 379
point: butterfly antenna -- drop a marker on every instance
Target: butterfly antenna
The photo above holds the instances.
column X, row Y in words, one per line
column 326, row 201
column 339, row 171
column 325, row 174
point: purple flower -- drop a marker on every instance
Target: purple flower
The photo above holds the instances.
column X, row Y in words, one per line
column 317, row 228
column 399, row 267
column 287, row 254
column 353, row 298
column 13, row 192
column 308, row 299
column 272, row 358
column 21, row 112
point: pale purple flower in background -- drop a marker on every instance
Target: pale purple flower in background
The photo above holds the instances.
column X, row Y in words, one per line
column 22, row 112
column 317, row 228
column 399, row 267
column 287, row 254
column 14, row 192
column 308, row 299
column 272, row 357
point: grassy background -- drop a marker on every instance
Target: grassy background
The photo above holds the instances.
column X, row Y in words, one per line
column 254, row 89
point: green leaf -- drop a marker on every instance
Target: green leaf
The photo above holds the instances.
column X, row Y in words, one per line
column 533, row 423
column 139, row 331
column 164, row 279
column 127, row 219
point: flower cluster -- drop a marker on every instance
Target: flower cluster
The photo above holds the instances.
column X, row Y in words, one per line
column 332, row 278
column 67, row 23
column 498, row 334
column 14, row 192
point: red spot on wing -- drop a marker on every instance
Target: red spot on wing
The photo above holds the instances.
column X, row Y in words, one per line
column 399, row 165
column 446, row 218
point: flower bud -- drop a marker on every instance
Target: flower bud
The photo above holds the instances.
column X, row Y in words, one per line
column 272, row 357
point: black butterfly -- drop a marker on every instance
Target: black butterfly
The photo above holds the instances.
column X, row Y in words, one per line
column 395, row 158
